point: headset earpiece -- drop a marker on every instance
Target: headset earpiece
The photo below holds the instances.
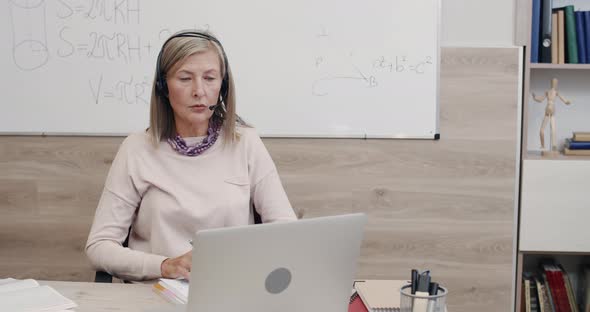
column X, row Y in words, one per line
column 224, row 87
column 161, row 86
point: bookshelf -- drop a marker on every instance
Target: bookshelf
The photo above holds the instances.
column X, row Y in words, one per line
column 559, row 66
column 554, row 193
column 537, row 155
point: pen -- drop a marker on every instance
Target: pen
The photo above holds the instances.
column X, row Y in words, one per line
column 433, row 288
column 414, row 281
column 424, row 281
column 421, row 304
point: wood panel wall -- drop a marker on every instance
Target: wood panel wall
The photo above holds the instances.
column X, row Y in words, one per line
column 446, row 205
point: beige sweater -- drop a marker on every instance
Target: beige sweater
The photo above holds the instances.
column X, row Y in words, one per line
column 166, row 197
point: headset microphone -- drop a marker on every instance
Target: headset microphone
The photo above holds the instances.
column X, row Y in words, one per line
column 219, row 103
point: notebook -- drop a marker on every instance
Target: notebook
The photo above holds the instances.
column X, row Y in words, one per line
column 380, row 295
column 175, row 290
column 356, row 304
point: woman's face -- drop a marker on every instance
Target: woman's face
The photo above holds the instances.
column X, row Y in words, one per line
column 193, row 86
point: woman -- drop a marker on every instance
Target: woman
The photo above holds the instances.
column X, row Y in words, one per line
column 198, row 166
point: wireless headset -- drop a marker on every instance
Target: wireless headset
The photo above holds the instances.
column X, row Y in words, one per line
column 162, row 86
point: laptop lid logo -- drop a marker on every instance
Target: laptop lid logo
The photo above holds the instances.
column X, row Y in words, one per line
column 278, row 280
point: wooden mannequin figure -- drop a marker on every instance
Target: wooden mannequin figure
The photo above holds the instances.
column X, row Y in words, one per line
column 550, row 95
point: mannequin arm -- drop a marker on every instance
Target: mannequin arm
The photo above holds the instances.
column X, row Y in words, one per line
column 564, row 100
column 539, row 98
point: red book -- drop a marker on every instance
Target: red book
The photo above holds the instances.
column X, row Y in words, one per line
column 562, row 291
column 356, row 304
column 553, row 286
column 558, row 289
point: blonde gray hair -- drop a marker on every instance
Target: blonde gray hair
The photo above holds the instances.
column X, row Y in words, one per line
column 162, row 123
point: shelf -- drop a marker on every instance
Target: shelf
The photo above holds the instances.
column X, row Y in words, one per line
column 555, row 253
column 536, row 155
column 558, row 66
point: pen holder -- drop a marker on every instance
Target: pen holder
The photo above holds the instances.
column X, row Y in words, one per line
column 422, row 303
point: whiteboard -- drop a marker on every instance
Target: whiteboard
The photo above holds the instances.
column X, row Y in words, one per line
column 305, row 68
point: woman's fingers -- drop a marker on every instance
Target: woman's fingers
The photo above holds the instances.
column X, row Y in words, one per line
column 184, row 273
column 178, row 267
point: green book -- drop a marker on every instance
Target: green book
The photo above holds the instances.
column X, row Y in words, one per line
column 570, row 35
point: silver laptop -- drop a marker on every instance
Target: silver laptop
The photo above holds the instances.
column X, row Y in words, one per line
column 307, row 265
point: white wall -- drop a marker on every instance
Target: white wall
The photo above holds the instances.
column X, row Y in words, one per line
column 477, row 23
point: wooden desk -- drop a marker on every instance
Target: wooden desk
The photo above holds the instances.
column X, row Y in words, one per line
column 106, row 297
column 99, row 297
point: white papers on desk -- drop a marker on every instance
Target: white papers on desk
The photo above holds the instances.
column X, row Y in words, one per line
column 6, row 280
column 11, row 284
column 175, row 290
column 28, row 296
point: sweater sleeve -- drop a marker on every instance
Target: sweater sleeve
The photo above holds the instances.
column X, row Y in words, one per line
column 267, row 192
column 114, row 215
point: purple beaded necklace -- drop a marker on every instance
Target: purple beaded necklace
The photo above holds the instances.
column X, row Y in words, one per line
column 180, row 146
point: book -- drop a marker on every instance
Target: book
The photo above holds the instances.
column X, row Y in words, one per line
column 531, row 292
column 581, row 136
column 576, row 152
column 522, row 298
column 581, row 37
column 557, row 282
column 569, row 290
column 553, row 286
column 28, row 295
column 587, row 33
column 545, row 29
column 380, row 295
column 554, row 39
column 534, row 296
column 560, row 36
column 175, row 290
column 356, row 304
column 535, row 31
column 544, row 304
column 570, row 35
column 577, row 145
column 167, row 294
column 527, row 294
column 549, row 292
column 563, row 300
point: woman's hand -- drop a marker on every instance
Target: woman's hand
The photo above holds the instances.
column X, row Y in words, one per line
column 177, row 267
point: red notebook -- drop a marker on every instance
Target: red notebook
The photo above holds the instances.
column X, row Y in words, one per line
column 356, row 304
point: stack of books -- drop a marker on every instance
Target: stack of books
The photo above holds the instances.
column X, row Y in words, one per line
column 27, row 295
column 173, row 290
column 551, row 288
column 560, row 35
column 578, row 144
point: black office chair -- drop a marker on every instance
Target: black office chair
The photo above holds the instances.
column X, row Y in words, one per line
column 104, row 277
